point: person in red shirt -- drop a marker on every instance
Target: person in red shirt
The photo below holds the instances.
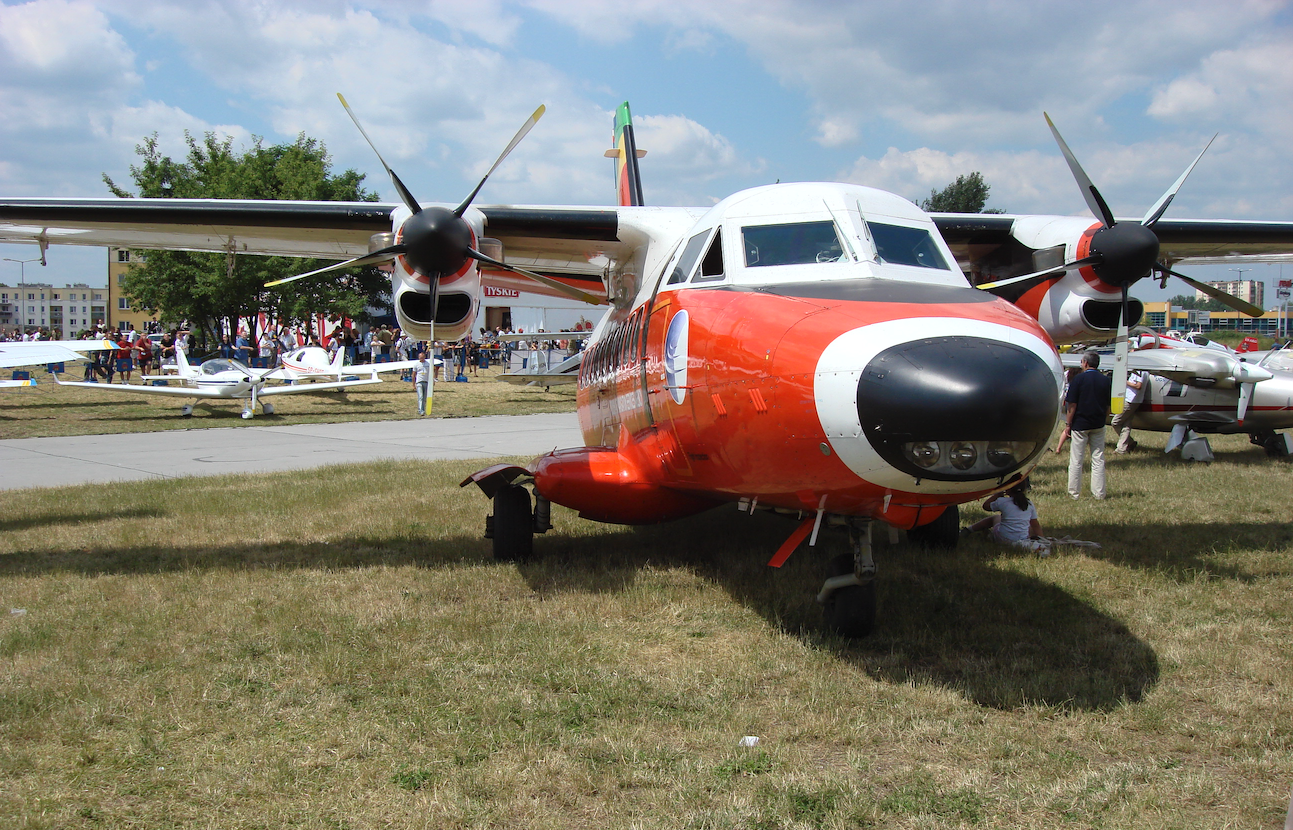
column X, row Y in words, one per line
column 124, row 351
column 144, row 347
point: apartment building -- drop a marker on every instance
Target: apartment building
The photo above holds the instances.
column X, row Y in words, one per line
column 64, row 311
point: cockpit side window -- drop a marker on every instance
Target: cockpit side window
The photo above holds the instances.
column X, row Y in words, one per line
column 711, row 267
column 901, row 245
column 688, row 259
column 795, row 243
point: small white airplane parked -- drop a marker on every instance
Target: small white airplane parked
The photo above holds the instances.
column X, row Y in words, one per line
column 227, row 378
column 37, row 352
column 313, row 362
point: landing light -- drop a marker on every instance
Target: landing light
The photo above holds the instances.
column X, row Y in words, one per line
column 969, row 459
column 963, row 455
column 923, row 453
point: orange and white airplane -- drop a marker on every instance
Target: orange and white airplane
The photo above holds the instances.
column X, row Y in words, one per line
column 812, row 349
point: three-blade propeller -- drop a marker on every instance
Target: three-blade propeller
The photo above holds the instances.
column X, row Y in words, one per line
column 1120, row 254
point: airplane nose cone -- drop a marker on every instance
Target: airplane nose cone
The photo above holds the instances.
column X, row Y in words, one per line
column 957, row 408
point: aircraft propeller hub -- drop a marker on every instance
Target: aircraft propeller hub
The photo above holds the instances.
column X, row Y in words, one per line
column 1128, row 252
column 436, row 241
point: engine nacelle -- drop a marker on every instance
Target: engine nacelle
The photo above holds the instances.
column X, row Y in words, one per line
column 458, row 294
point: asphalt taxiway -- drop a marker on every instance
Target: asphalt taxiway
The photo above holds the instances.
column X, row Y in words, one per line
column 87, row 459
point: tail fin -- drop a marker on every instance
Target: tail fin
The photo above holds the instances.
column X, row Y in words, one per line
column 338, row 360
column 628, row 179
column 181, row 362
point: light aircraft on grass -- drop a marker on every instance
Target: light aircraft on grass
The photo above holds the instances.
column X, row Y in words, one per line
column 39, row 352
column 226, row 378
column 812, row 349
column 1193, row 391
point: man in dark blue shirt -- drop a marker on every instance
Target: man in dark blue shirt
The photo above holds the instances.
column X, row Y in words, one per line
column 1087, row 407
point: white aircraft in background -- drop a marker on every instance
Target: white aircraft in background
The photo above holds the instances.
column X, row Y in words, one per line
column 308, row 362
column 226, row 378
column 38, row 352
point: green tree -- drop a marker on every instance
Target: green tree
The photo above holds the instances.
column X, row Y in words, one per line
column 968, row 194
column 208, row 289
column 1193, row 303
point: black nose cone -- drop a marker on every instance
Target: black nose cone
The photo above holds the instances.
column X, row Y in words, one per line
column 957, row 408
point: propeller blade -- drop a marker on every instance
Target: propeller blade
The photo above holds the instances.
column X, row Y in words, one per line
column 405, row 196
column 569, row 291
column 384, row 255
column 1038, row 276
column 1216, row 293
column 1094, row 200
column 516, row 139
column 1245, row 395
column 1118, row 401
column 1156, row 212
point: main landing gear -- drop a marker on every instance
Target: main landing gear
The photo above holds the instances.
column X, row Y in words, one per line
column 1276, row 444
column 514, row 523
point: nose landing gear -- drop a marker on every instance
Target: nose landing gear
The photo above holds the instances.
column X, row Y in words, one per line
column 848, row 596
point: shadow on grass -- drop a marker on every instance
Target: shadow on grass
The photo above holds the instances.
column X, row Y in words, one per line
column 1183, row 552
column 952, row 620
column 66, row 518
column 999, row 638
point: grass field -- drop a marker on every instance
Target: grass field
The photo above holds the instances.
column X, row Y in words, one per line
column 339, row 651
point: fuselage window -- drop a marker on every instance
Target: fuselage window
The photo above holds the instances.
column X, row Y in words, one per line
column 689, row 254
column 900, row 245
column 711, row 267
column 797, row 243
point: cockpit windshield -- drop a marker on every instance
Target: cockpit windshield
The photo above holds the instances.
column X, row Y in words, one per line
column 901, row 245
column 796, row 243
column 219, row 364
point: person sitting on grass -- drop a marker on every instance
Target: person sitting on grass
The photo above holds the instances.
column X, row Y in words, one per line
column 1015, row 522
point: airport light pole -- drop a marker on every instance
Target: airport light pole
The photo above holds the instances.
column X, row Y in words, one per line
column 22, row 286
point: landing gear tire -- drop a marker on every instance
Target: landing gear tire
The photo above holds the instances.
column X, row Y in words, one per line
column 1270, row 441
column 186, row 411
column 246, row 414
column 944, row 532
column 267, row 408
column 849, row 611
column 513, row 525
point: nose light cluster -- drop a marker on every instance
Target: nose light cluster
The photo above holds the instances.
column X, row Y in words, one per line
column 980, row 459
column 957, row 408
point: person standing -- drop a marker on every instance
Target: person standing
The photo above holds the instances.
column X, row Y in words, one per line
column 1087, row 408
column 421, row 380
column 1121, row 422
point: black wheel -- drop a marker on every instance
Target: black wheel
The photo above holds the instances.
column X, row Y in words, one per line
column 513, row 524
column 849, row 612
column 943, row 532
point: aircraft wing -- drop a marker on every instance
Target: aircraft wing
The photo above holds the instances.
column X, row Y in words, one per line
column 573, row 244
column 10, row 384
column 565, row 372
column 1192, row 367
column 337, row 230
column 973, row 235
column 132, row 389
column 36, row 352
column 303, row 388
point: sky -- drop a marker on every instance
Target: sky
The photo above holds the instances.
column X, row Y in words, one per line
column 725, row 95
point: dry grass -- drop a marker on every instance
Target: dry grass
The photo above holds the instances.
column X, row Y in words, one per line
column 50, row 410
column 340, row 651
